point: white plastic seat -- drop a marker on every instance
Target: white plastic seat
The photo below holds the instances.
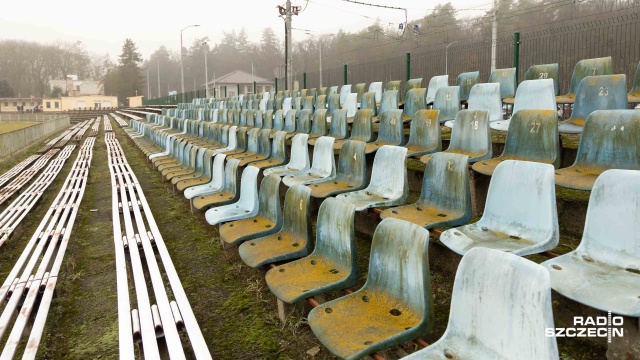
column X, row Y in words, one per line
column 447, row 101
column 484, row 97
column 389, row 184
column 500, row 308
column 216, row 183
column 531, row 95
column 520, row 215
column 351, row 104
column 344, row 91
column 603, row 271
column 323, row 167
column 286, row 106
column 299, row 158
column 247, row 205
column 263, row 105
column 435, row 83
column 376, row 87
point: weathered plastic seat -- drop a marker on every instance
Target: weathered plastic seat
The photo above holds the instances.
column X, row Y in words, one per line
column 389, row 184
column 227, row 194
column 500, row 309
column 391, row 130
column 321, row 102
column 605, row 92
column 302, row 123
column 389, row 101
column 333, row 103
column 376, row 87
column 633, row 96
column 333, row 90
column 466, row 81
column 319, row 124
column 520, row 215
column 392, row 85
column 507, row 80
column 323, row 166
column 544, row 71
column 308, row 103
column 424, row 134
column 411, row 84
column 278, row 122
column 447, row 100
column 359, row 90
column 331, row 266
column 603, row 271
column 533, row 136
column 484, row 97
column 435, row 83
column 351, row 104
column 470, row 136
column 287, row 105
column 361, row 130
column 321, row 91
column 267, row 221
column 414, row 100
column 215, row 183
column 290, row 121
column 263, row 104
column 339, row 126
column 351, row 174
column 267, row 119
column 292, row 241
column 530, row 95
column 278, row 154
column 299, row 158
column 247, row 204
column 609, row 141
column 584, row 68
column 344, row 90
column 394, row 306
column 201, row 177
column 368, row 101
column 445, row 199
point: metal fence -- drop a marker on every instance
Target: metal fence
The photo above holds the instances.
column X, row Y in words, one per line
column 39, row 118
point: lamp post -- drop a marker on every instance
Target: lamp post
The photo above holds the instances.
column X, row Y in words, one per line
column 319, row 51
column 181, row 61
column 446, row 57
column 206, row 73
column 148, row 88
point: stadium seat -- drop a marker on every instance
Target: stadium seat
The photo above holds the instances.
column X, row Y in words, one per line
column 545, row 71
column 361, row 130
column 584, row 68
column 605, row 92
column 500, row 309
column 376, row 87
column 227, row 194
column 394, row 306
column 321, row 91
column 389, row 101
column 435, row 84
column 351, row 104
column 368, row 101
column 216, row 183
column 292, row 241
column 245, row 207
column 633, row 96
column 339, row 126
column 424, row 134
column 333, row 90
column 344, row 91
column 260, row 153
column 302, row 123
column 351, row 174
column 323, row 166
column 392, row 85
column 445, row 199
column 299, row 158
column 319, row 124
column 198, row 178
column 278, row 122
column 391, row 130
column 484, row 97
column 466, row 81
column 308, row 103
column 331, row 266
column 470, row 136
column 533, row 136
column 290, row 121
column 447, row 101
column 286, row 105
column 603, row 271
column 359, row 90
column 333, row 103
column 389, row 184
column 414, row 100
column 530, row 95
column 321, row 102
column 411, row 84
column 520, row 215
column 507, row 80
column 609, row 141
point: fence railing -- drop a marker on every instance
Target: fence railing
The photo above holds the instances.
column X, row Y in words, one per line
column 40, row 118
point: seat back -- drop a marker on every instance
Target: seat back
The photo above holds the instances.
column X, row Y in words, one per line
column 414, row 100
column 290, row 120
column 252, row 140
column 278, row 120
column 352, row 165
column 435, row 83
column 545, row 71
column 362, row 127
column 448, row 102
column 535, row 95
column 296, row 213
column 299, row 152
column 241, row 139
column 389, row 173
column 392, row 85
column 323, row 160
column 278, row 152
column 251, row 118
column 466, row 81
column 335, row 236
column 267, row 119
column 604, row 92
column 389, row 100
column 303, row 124
column 321, row 91
column 610, row 140
column 376, row 87
column 486, row 97
column 412, row 84
column 333, row 103
column 263, row 104
column 286, row 105
column 321, row 102
column 635, row 89
column 446, row 185
column 259, row 116
column 339, row 128
column 231, row 176
column 344, row 90
column 264, row 142
column 507, row 80
column 589, row 67
column 269, row 199
column 308, row 103
column 471, row 134
column 319, row 124
column 359, row 90
column 368, row 101
column 391, row 130
column 534, row 185
column 533, row 136
column 333, row 90
column 350, row 104
column 425, row 130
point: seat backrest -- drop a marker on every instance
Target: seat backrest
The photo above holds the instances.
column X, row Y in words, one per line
column 312, row 92
column 231, row 176
column 610, row 140
column 471, row 134
column 241, row 139
column 389, row 173
column 389, row 100
column 391, row 129
column 322, row 91
column 278, row 120
column 412, row 84
column 264, row 141
column 339, row 128
column 303, row 124
column 446, row 184
column 290, row 121
column 299, row 152
column 535, row 95
column 267, row 119
column 321, row 102
column 435, row 83
column 352, row 164
column 425, row 130
column 604, row 92
column 509, row 316
column 399, row 266
column 635, row 89
column 376, row 87
column 333, row 90
column 392, row 85
column 545, row 71
column 259, row 116
column 308, row 103
column 359, row 89
column 323, row 159
column 319, row 124
column 589, row 67
column 296, row 212
column 333, row 103
column 362, row 127
column 335, row 236
column 466, row 81
column 249, row 188
column 448, row 102
column 368, row 101
column 533, row 136
column 507, row 80
column 486, row 97
column 344, row 90
column 252, row 140
column 278, row 152
column 533, row 185
column 269, row 199
column 351, row 104
column 611, row 231
column 263, row 104
column 286, row 105
column 414, row 100
column 207, row 162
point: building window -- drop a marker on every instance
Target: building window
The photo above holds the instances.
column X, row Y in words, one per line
column 48, row 104
column 31, row 104
column 6, row 103
column 24, row 103
column 56, row 104
column 15, row 104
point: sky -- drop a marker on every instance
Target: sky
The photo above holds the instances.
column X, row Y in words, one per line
column 103, row 26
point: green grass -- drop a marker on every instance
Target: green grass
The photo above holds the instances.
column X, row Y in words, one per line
column 7, row 127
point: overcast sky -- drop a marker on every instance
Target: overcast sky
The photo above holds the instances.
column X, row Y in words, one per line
column 102, row 26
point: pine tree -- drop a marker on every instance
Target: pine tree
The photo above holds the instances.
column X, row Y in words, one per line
column 5, row 89
column 127, row 78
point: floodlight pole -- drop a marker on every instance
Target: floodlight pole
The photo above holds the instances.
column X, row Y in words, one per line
column 181, row 60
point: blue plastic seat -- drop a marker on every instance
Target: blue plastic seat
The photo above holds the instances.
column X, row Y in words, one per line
column 435, row 84
column 530, row 95
column 299, row 158
column 391, row 131
column 351, row 174
column 424, row 134
column 507, row 80
column 447, row 101
column 466, row 81
column 633, row 96
column 361, row 130
column 414, row 100
column 484, row 97
column 584, row 68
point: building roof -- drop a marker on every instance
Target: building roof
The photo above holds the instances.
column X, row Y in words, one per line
column 239, row 77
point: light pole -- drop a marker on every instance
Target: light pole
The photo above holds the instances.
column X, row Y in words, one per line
column 159, row 92
column 319, row 51
column 181, row 62
column 148, row 88
column 446, row 57
column 206, row 73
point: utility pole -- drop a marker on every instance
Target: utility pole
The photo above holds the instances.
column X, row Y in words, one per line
column 494, row 35
column 181, row 61
column 289, row 49
column 148, row 88
column 159, row 92
column 206, row 74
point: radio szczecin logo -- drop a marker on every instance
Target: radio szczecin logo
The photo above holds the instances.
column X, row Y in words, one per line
column 599, row 326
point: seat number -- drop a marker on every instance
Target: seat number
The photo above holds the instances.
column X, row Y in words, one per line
column 594, row 70
column 544, row 75
column 615, row 127
column 604, row 91
column 469, row 82
column 355, row 157
column 450, row 165
column 447, row 96
column 535, row 127
column 474, row 124
column 301, row 204
column 428, row 122
column 393, row 121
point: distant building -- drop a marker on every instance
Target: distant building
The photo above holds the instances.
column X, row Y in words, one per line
column 79, row 102
column 74, row 87
column 13, row 104
column 241, row 79
column 135, row 101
